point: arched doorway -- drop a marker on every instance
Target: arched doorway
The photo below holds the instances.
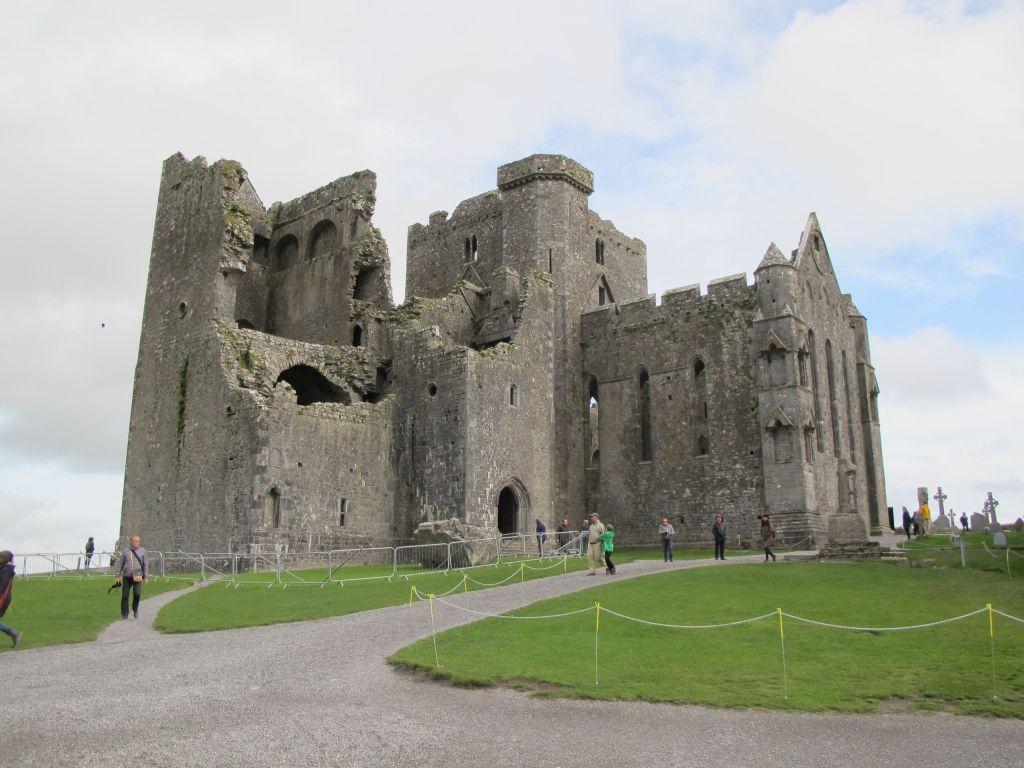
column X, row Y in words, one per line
column 508, row 510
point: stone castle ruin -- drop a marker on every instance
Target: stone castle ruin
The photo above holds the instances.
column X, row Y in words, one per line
column 282, row 402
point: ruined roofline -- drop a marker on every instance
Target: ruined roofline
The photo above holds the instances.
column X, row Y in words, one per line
column 599, row 224
column 360, row 187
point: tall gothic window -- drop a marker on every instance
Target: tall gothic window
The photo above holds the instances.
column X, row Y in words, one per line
column 832, row 401
column 849, row 412
column 814, row 388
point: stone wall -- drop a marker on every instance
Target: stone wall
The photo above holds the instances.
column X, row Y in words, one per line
column 704, row 454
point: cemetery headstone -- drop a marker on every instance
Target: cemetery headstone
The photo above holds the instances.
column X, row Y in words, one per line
column 979, row 523
column 998, row 539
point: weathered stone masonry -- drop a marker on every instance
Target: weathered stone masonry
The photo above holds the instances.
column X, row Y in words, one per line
column 282, row 402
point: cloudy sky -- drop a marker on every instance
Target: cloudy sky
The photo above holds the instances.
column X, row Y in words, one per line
column 713, row 129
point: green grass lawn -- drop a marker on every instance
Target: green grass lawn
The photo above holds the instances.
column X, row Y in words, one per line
column 253, row 604
column 937, row 551
column 69, row 610
column 944, row 668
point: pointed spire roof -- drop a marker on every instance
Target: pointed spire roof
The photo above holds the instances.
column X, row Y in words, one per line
column 772, row 257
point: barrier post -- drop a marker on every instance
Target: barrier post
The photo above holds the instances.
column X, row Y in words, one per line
column 1008, row 562
column 433, row 634
column 202, row 568
column 963, row 553
column 522, row 584
column 782, row 639
column 465, row 587
column 565, row 564
column 992, row 647
column 597, row 630
column 412, row 591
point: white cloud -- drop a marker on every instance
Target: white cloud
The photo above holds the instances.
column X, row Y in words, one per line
column 962, row 435
column 929, row 365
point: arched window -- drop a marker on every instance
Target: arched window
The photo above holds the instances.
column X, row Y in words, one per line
column 703, row 445
column 811, row 347
column 591, row 423
column 273, row 510
column 832, row 403
column 808, row 445
column 801, row 361
column 782, row 442
column 357, row 336
column 600, row 296
column 474, row 251
column 285, row 253
column 643, row 387
column 513, row 396
column 777, row 374
column 311, row 386
column 599, row 251
column 366, row 287
column 322, row 240
column 700, row 390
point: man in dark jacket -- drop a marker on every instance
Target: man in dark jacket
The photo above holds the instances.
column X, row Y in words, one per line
column 6, row 585
column 563, row 533
column 131, row 571
column 541, row 536
column 90, row 547
column 718, row 531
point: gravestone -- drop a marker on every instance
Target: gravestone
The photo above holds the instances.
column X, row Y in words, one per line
column 979, row 523
column 999, row 539
column 941, row 524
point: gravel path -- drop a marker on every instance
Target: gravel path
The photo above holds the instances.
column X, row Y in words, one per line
column 319, row 694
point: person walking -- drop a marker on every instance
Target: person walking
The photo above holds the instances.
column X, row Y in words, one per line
column 767, row 538
column 131, row 571
column 541, row 531
column 667, row 532
column 6, row 585
column 608, row 545
column 584, row 536
column 908, row 522
column 718, row 531
column 90, row 547
column 594, row 553
column 562, row 534
column 963, row 521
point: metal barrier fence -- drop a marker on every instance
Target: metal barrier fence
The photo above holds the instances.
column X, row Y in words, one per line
column 315, row 568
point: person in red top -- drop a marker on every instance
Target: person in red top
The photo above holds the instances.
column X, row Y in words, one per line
column 6, row 585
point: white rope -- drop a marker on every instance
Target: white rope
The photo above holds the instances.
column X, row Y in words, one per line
column 496, row 583
column 686, row 626
column 885, row 629
column 544, row 567
column 423, row 596
column 1008, row 616
column 506, row 616
column 990, row 552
